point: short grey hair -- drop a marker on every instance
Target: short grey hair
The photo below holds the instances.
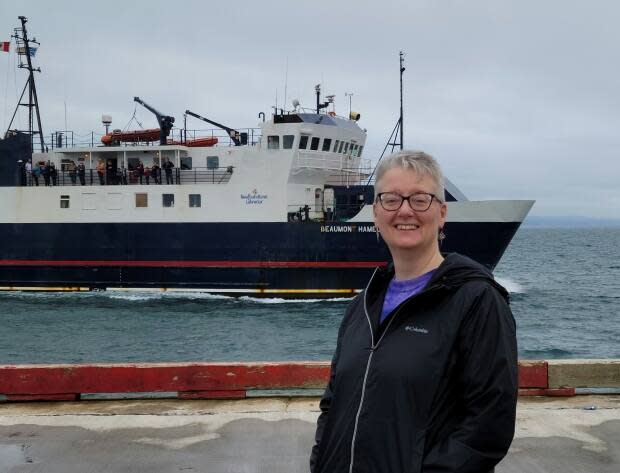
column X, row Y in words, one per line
column 418, row 161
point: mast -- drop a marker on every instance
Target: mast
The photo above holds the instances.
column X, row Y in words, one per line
column 24, row 49
column 402, row 69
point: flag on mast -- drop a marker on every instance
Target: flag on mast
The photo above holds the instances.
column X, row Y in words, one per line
column 5, row 46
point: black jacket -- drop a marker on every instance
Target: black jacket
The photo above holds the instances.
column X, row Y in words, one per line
column 432, row 389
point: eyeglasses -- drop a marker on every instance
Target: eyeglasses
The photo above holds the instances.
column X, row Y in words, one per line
column 420, row 201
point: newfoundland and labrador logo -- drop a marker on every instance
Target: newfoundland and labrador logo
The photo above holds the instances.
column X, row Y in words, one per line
column 254, row 197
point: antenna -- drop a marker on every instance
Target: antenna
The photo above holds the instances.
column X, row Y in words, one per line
column 285, row 81
column 402, row 69
column 349, row 94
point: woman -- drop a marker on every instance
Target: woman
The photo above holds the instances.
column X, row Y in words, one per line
column 424, row 376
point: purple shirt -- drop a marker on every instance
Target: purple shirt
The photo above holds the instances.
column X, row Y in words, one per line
column 398, row 291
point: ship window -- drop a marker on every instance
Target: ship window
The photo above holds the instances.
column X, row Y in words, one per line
column 273, row 142
column 359, row 153
column 194, row 200
column 336, row 146
column 354, row 152
column 64, row 201
column 346, row 147
column 314, row 144
column 341, row 145
column 167, row 200
column 213, row 162
column 303, row 141
column 186, row 162
column 89, row 201
column 287, row 141
column 327, row 143
column 142, row 200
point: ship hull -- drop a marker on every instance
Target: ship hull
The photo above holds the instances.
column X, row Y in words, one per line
column 259, row 259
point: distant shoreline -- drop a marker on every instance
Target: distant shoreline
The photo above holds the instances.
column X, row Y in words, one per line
column 535, row 221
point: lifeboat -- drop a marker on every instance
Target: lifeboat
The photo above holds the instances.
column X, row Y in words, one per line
column 198, row 142
column 136, row 136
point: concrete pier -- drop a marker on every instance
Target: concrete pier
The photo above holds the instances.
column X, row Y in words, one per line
column 579, row 434
column 232, row 432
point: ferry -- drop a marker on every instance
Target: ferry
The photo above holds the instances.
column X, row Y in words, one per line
column 280, row 210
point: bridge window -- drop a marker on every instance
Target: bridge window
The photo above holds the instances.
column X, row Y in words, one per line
column 64, row 201
column 346, row 147
column 273, row 142
column 354, row 151
column 359, row 153
column 194, row 200
column 336, row 146
column 340, row 148
column 186, row 162
column 327, row 143
column 142, row 199
column 167, row 200
column 213, row 162
column 287, row 141
column 314, row 144
column 303, row 141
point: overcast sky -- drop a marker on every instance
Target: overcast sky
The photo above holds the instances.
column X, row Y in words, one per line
column 517, row 99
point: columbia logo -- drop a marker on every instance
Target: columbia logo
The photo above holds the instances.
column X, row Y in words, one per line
column 413, row 328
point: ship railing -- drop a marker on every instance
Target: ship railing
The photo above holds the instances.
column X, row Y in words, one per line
column 68, row 139
column 122, row 176
column 304, row 213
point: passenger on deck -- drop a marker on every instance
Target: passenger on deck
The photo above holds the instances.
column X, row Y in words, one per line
column 54, row 174
column 147, row 174
column 72, row 168
column 45, row 171
column 110, row 173
column 140, row 170
column 156, row 173
column 21, row 171
column 101, row 172
column 29, row 171
column 424, row 376
column 168, row 169
column 36, row 172
column 81, row 171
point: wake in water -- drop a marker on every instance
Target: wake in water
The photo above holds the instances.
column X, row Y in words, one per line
column 155, row 295
column 511, row 286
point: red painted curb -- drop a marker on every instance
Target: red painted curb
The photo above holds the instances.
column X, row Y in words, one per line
column 181, row 377
column 197, row 380
column 533, row 374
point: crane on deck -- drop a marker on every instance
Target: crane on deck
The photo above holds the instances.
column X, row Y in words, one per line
column 237, row 137
column 165, row 122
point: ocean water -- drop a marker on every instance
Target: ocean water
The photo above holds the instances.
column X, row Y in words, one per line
column 564, row 285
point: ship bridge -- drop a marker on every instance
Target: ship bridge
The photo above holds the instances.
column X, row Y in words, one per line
column 327, row 148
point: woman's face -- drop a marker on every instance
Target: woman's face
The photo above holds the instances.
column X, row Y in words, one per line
column 406, row 229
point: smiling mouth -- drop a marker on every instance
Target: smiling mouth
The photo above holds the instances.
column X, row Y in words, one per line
column 407, row 227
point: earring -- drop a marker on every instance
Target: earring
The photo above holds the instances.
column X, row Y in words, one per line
column 442, row 235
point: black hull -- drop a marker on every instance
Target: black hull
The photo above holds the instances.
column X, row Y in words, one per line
column 258, row 259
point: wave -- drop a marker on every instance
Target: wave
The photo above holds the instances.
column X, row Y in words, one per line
column 511, row 286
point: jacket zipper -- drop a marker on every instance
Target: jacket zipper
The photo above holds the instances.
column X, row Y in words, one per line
column 373, row 347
